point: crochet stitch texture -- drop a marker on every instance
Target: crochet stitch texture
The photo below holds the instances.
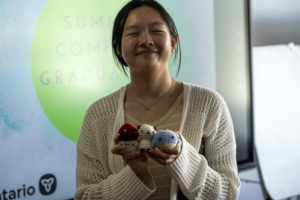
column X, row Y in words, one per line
column 103, row 175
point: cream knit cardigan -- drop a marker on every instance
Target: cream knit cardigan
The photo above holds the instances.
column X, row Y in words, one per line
column 102, row 175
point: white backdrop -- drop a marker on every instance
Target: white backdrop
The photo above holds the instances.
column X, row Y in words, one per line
column 276, row 78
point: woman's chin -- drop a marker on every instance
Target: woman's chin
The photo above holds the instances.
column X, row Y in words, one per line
column 148, row 67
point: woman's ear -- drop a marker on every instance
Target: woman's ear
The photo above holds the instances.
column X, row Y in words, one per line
column 174, row 40
column 118, row 51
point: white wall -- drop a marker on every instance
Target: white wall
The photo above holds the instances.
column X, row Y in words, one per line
column 232, row 65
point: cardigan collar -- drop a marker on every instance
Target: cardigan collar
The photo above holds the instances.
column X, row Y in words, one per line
column 115, row 161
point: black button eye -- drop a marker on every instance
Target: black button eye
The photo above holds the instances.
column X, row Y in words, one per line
column 172, row 137
column 160, row 139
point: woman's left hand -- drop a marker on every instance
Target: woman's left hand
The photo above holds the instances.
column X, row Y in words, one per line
column 166, row 155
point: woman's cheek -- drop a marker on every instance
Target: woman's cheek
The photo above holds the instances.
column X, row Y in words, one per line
column 128, row 50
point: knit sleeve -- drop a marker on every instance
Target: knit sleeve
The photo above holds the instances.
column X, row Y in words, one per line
column 94, row 179
column 214, row 176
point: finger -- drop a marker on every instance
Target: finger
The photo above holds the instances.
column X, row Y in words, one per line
column 116, row 139
column 131, row 156
column 163, row 161
column 178, row 136
column 159, row 154
column 118, row 150
column 171, row 151
column 137, row 159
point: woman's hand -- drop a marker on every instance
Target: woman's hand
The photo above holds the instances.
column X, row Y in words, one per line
column 166, row 155
column 136, row 160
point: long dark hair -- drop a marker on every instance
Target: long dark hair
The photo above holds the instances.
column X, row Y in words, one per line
column 119, row 24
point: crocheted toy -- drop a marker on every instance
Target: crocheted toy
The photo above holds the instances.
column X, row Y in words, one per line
column 165, row 138
column 128, row 137
column 146, row 133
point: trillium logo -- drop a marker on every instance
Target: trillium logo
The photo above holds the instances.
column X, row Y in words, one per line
column 47, row 184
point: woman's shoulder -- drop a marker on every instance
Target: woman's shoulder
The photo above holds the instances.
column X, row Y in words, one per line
column 203, row 98
column 206, row 101
column 203, row 92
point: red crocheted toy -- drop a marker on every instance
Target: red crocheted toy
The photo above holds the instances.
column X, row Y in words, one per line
column 128, row 136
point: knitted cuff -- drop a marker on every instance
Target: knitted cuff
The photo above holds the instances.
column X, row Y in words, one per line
column 188, row 165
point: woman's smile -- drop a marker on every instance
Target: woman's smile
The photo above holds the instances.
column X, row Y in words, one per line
column 146, row 41
column 146, row 52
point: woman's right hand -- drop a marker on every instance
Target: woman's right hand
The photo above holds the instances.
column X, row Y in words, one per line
column 136, row 160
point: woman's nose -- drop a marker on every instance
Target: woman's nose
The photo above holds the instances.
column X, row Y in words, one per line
column 146, row 39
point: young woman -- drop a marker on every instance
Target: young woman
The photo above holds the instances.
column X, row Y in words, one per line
column 144, row 38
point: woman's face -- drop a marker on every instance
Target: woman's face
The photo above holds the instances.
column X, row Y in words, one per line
column 146, row 41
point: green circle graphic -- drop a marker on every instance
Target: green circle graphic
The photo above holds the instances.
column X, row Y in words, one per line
column 72, row 63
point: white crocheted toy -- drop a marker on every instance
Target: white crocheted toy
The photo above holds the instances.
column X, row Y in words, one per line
column 146, row 133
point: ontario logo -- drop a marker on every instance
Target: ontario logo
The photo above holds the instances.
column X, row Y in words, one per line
column 47, row 186
column 72, row 63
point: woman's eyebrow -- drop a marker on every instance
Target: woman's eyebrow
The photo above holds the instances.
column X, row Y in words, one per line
column 156, row 23
column 131, row 27
column 136, row 26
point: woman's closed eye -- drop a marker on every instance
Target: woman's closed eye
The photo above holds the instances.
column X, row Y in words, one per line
column 157, row 31
column 132, row 33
